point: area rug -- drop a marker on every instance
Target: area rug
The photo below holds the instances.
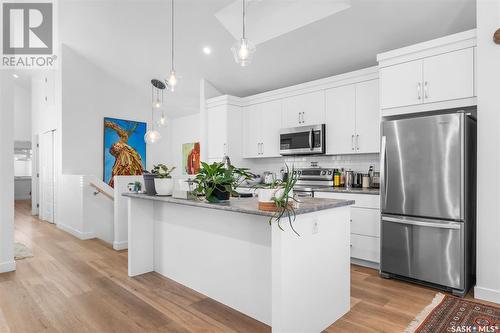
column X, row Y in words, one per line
column 21, row 251
column 452, row 314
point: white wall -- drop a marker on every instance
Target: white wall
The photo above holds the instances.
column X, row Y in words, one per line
column 488, row 162
column 22, row 113
column 7, row 262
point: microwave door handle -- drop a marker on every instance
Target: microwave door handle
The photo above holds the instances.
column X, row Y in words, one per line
column 311, row 139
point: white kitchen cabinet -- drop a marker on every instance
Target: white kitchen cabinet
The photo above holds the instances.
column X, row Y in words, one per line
column 217, row 135
column 431, row 79
column 365, row 225
column 367, row 117
column 305, row 109
column 340, row 119
column 252, row 120
column 261, row 126
column 401, row 85
column 449, row 76
column 353, row 118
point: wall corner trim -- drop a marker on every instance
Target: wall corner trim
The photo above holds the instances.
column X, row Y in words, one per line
column 487, row 294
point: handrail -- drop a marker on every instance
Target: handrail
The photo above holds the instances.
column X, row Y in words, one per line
column 100, row 190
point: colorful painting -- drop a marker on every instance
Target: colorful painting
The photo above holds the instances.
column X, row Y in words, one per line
column 191, row 158
column 124, row 148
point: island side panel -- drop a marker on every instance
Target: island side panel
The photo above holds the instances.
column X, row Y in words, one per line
column 311, row 273
column 221, row 254
column 140, row 236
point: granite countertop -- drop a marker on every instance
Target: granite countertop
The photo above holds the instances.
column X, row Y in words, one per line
column 248, row 205
column 372, row 191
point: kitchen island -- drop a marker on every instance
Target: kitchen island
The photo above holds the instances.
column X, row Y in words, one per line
column 229, row 252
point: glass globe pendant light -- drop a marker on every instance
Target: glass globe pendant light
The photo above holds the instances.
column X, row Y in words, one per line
column 172, row 78
column 243, row 50
column 152, row 136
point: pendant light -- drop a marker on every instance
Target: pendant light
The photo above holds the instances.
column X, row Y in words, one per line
column 157, row 88
column 172, row 79
column 152, row 136
column 243, row 49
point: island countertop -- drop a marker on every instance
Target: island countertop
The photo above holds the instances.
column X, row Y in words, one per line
column 248, row 205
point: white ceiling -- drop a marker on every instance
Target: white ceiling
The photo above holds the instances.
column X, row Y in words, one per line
column 269, row 19
column 131, row 41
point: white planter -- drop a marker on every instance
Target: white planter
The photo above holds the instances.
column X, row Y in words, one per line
column 164, row 186
column 267, row 195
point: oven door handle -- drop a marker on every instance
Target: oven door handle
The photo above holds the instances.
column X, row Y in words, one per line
column 311, row 139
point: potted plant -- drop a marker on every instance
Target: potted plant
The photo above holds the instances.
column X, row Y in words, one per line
column 217, row 182
column 279, row 197
column 164, row 185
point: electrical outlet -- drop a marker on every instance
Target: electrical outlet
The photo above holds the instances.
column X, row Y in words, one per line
column 315, row 228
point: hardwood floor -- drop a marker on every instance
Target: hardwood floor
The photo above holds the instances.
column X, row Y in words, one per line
column 82, row 286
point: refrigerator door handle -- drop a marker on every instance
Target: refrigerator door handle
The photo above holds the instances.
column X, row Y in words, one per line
column 424, row 223
column 383, row 185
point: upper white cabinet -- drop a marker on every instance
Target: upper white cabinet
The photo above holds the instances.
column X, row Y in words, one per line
column 367, row 117
column 224, row 129
column 449, row 76
column 437, row 74
column 261, row 126
column 217, row 133
column 353, row 118
column 305, row 109
column 341, row 119
column 401, row 85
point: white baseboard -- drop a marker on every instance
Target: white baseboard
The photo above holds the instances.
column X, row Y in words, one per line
column 77, row 233
column 365, row 263
column 487, row 294
column 7, row 266
column 118, row 246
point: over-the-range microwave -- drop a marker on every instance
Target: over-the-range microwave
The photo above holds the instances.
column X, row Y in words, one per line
column 304, row 140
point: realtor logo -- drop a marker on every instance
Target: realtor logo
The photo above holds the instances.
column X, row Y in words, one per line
column 27, row 36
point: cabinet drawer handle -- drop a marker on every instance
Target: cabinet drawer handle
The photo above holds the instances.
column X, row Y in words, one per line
column 419, row 91
column 262, row 148
column 352, row 142
column 426, row 90
column 357, row 141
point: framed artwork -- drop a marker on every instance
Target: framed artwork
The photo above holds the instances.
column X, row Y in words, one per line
column 191, row 158
column 124, row 148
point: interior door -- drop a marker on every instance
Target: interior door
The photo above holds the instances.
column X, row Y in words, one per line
column 271, row 125
column 401, row 85
column 252, row 130
column 340, row 119
column 367, row 117
column 47, row 176
column 423, row 167
column 449, row 76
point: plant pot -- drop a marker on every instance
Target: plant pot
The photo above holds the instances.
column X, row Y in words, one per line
column 149, row 183
column 164, row 186
column 221, row 195
column 267, row 194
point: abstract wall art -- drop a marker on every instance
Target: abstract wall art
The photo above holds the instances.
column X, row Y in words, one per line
column 191, row 158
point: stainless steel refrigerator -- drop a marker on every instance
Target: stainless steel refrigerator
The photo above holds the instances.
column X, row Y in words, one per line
column 428, row 199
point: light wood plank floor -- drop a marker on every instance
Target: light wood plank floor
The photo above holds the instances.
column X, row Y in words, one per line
column 82, row 286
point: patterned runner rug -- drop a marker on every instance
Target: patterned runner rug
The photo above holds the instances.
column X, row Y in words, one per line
column 452, row 314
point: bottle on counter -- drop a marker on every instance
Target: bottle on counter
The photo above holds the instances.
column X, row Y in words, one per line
column 336, row 178
column 371, row 172
column 342, row 177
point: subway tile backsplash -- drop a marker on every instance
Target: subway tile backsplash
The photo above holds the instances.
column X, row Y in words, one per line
column 359, row 162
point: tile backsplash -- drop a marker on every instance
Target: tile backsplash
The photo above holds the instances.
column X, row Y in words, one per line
column 359, row 162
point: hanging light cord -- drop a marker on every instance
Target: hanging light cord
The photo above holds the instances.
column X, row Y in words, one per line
column 244, row 19
column 172, row 16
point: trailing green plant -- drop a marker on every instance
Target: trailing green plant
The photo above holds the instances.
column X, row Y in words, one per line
column 162, row 171
column 216, row 177
column 285, row 202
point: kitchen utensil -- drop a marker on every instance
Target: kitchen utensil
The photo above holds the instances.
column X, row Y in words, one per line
column 349, row 179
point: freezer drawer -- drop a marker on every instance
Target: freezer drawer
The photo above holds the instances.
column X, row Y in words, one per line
column 423, row 249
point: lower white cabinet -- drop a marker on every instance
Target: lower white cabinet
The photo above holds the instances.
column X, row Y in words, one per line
column 365, row 225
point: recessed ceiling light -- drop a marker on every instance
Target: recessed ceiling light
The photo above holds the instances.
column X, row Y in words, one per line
column 207, row 50
column 15, row 76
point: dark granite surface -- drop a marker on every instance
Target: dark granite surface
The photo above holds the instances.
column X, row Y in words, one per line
column 248, row 205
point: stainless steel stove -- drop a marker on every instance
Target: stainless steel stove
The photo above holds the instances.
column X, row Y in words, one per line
column 310, row 179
